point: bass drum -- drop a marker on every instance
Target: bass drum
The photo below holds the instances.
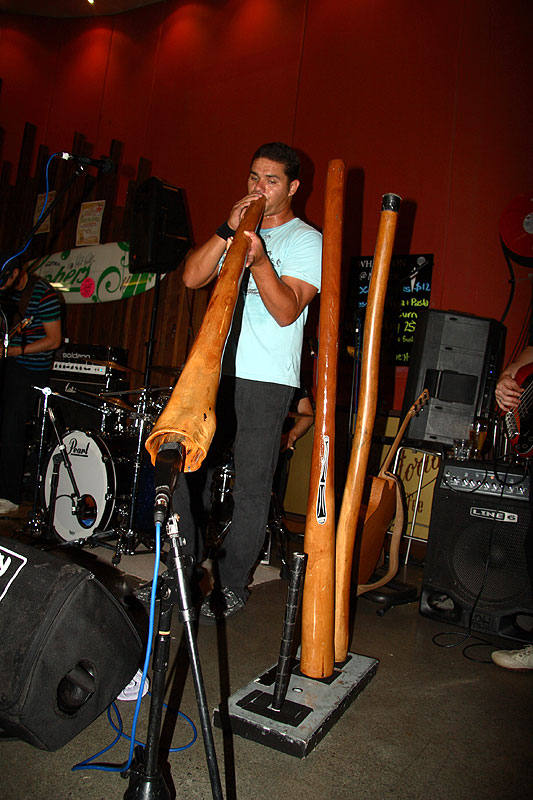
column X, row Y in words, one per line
column 103, row 471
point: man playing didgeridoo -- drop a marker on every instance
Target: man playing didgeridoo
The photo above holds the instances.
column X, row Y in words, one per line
column 260, row 368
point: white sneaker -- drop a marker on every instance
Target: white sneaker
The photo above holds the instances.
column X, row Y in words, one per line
column 7, row 507
column 521, row 660
column 131, row 691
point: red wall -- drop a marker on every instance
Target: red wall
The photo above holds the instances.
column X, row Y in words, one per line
column 431, row 101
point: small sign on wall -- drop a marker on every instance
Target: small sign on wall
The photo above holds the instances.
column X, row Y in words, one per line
column 44, row 227
column 89, row 223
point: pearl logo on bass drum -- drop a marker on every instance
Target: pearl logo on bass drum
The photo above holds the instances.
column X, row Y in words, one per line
column 494, row 514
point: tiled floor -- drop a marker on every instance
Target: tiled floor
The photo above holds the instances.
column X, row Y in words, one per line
column 432, row 723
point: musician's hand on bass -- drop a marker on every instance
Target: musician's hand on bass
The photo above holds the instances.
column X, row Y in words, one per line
column 508, row 393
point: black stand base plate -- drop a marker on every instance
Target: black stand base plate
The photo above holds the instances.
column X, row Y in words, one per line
column 394, row 593
column 311, row 709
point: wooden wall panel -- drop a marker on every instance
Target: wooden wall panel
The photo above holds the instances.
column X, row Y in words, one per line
column 124, row 323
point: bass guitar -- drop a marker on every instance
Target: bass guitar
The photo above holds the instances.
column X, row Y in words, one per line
column 384, row 503
column 518, row 423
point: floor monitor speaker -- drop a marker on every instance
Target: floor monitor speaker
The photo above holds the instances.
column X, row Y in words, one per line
column 68, row 647
column 475, row 573
column 159, row 235
column 457, row 358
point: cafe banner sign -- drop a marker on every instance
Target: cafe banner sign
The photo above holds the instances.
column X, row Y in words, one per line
column 94, row 274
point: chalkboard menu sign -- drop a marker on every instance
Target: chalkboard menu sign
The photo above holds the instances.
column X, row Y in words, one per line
column 408, row 293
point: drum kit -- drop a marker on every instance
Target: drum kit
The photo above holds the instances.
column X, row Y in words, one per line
column 96, row 486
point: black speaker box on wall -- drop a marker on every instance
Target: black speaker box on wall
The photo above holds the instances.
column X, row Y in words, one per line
column 68, row 648
column 159, row 236
column 457, row 358
column 475, row 574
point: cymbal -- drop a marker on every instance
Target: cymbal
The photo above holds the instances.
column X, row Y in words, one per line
column 295, row 415
column 116, row 401
column 112, row 401
column 114, row 365
column 167, row 370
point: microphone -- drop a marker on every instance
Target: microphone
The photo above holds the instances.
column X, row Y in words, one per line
column 103, row 164
column 167, row 466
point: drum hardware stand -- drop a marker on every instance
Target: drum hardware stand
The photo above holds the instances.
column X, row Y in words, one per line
column 128, row 539
column 146, row 780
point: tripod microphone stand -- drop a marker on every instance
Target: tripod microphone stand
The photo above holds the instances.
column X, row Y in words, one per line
column 146, row 779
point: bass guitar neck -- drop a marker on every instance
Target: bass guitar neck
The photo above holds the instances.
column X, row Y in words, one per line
column 518, row 423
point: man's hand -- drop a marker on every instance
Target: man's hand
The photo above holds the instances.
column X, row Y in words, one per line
column 239, row 208
column 256, row 255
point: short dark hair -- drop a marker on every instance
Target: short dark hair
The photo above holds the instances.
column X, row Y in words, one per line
column 282, row 154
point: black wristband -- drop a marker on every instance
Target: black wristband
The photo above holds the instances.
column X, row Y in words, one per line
column 225, row 231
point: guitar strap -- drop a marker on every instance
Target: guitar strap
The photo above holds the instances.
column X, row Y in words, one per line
column 394, row 549
column 25, row 297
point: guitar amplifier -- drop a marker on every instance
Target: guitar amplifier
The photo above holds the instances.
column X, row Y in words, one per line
column 475, row 573
column 77, row 378
column 84, row 353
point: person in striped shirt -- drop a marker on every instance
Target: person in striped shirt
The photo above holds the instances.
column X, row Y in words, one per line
column 29, row 301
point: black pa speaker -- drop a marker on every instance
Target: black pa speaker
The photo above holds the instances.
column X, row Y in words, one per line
column 457, row 358
column 68, row 648
column 475, row 573
column 159, row 236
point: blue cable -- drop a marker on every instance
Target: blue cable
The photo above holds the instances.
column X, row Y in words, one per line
column 30, row 240
column 123, row 768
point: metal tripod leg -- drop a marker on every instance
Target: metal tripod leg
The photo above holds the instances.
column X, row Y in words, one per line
column 146, row 780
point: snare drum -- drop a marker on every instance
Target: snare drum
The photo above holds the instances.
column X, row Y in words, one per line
column 103, row 470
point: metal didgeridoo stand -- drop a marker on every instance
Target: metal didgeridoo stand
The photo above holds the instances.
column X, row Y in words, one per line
column 146, row 780
column 283, row 708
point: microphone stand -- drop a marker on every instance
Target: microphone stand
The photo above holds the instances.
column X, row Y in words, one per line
column 35, row 523
column 146, row 779
column 75, row 497
column 47, row 211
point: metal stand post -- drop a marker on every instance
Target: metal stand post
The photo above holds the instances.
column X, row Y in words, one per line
column 146, row 780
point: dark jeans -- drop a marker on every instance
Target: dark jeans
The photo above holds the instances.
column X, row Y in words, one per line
column 18, row 400
column 250, row 414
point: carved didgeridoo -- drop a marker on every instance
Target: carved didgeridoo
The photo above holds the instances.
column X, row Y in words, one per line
column 319, row 543
column 366, row 414
column 189, row 416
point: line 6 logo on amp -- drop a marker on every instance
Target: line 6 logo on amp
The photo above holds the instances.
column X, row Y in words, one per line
column 494, row 514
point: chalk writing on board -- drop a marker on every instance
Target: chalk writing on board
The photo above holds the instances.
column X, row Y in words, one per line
column 408, row 293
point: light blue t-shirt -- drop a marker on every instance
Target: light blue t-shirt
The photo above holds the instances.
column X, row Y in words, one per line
column 258, row 348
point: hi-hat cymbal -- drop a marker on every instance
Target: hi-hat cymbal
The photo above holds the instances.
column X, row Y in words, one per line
column 114, row 365
column 167, row 370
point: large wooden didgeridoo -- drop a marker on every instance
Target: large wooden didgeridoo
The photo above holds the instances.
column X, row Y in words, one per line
column 366, row 414
column 189, row 416
column 319, row 587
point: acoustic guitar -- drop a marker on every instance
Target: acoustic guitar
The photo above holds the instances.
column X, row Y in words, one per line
column 518, row 423
column 384, row 503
